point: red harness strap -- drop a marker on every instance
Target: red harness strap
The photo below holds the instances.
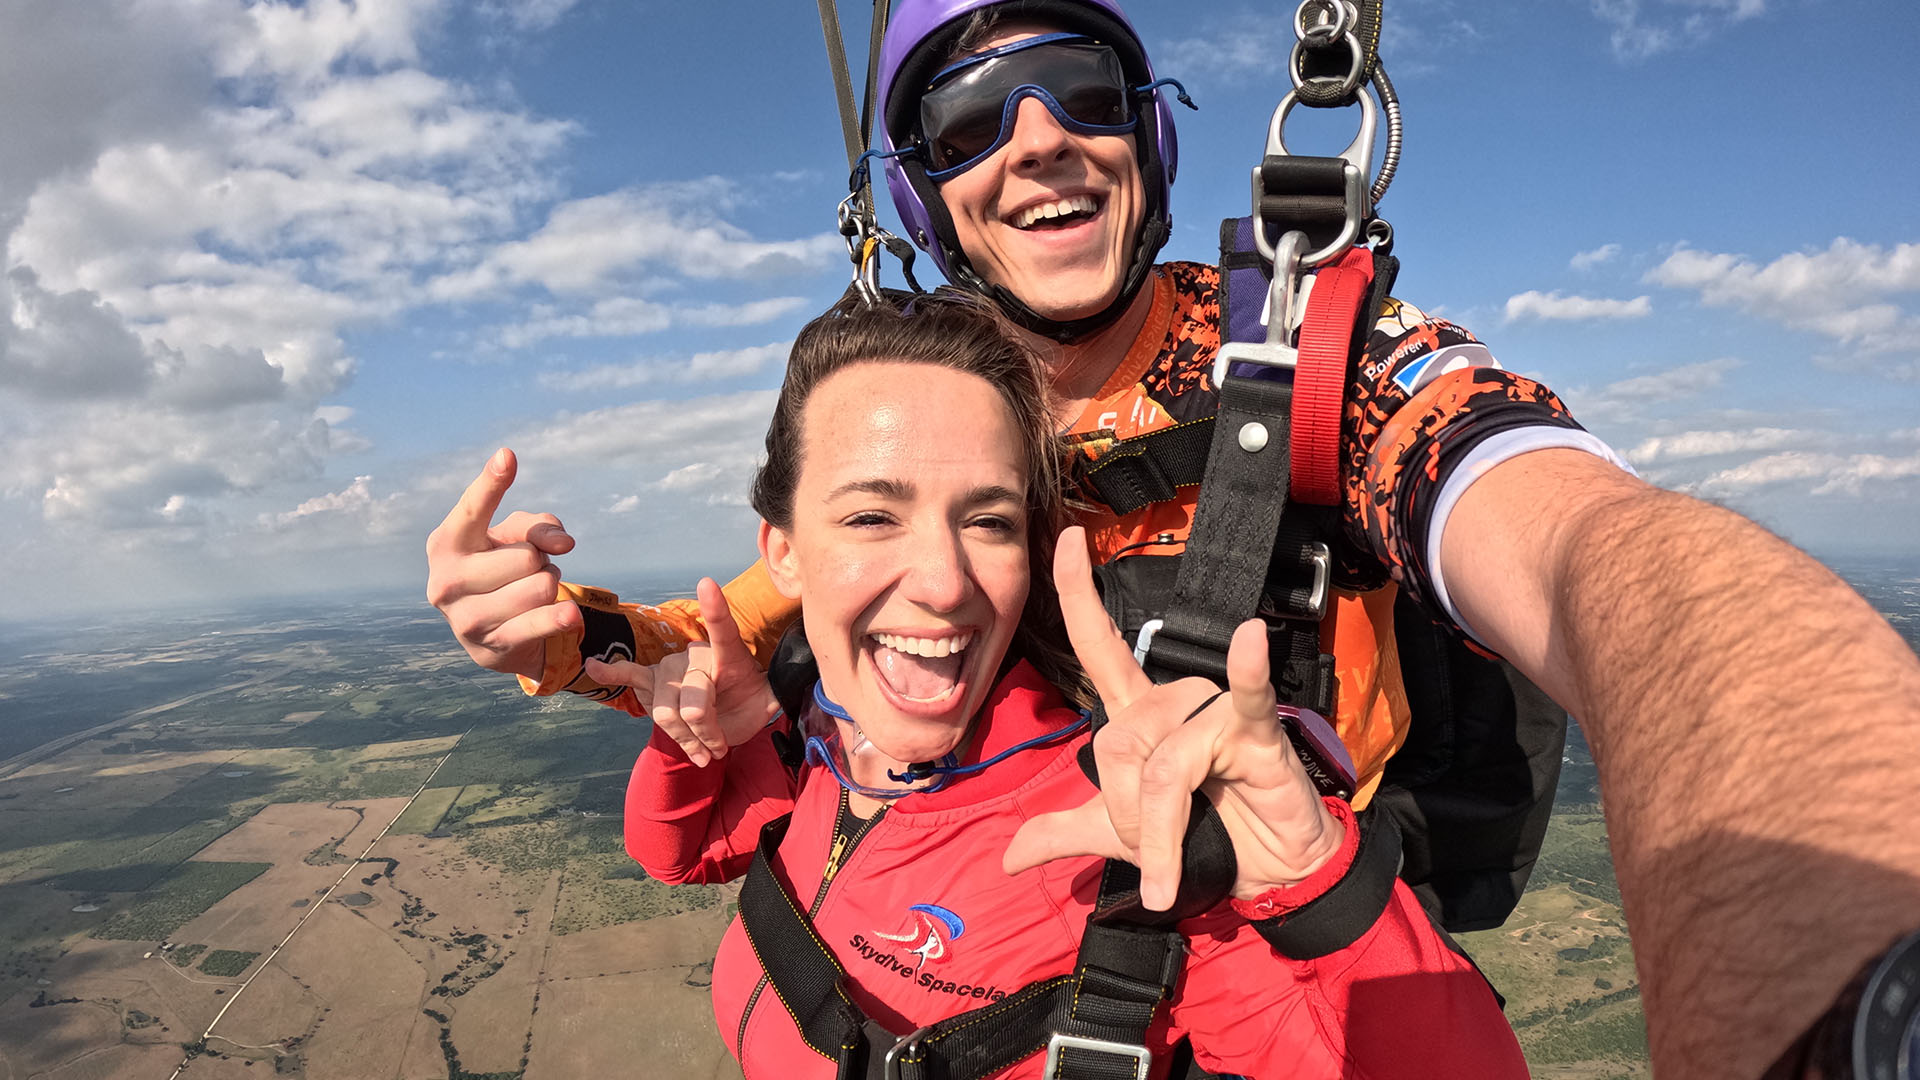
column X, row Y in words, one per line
column 1320, row 379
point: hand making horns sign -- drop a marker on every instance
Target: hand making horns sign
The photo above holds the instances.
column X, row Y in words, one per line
column 710, row 698
column 1150, row 761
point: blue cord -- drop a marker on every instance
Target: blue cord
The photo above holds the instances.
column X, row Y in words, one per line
column 947, row 768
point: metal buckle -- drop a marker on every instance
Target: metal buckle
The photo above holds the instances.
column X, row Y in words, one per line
column 1359, row 159
column 890, row 1065
column 1144, row 643
column 1321, row 559
column 1277, row 352
column 1322, row 580
column 1142, row 1057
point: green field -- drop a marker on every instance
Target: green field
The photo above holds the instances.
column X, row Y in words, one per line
column 424, row 813
column 227, row 962
column 178, row 899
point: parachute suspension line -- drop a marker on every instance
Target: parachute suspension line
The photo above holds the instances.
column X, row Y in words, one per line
column 842, row 82
column 856, row 217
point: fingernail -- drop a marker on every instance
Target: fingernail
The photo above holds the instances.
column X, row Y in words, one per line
column 498, row 462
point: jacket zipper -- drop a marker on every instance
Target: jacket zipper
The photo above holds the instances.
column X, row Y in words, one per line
column 836, row 858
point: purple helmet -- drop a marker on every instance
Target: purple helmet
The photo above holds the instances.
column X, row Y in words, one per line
column 921, row 35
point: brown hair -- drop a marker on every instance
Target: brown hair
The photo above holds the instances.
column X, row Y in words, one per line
column 964, row 333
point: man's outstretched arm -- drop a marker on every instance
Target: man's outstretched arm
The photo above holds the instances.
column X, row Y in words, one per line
column 1757, row 730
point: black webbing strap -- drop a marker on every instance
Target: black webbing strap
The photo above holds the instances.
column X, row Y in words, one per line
column 1153, row 467
column 805, row 976
column 1304, row 193
column 1231, row 550
column 1338, row 917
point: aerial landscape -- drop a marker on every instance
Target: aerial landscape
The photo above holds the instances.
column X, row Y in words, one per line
column 315, row 841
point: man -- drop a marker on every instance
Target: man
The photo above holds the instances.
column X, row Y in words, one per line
column 1754, row 722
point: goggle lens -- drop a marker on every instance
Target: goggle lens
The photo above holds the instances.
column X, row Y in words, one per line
column 968, row 112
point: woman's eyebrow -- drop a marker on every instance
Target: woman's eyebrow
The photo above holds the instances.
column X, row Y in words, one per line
column 895, row 490
column 993, row 493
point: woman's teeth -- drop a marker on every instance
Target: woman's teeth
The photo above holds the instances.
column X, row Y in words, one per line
column 920, row 646
column 1073, row 204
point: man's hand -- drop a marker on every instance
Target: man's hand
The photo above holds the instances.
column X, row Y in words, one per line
column 710, row 698
column 1151, row 757
column 496, row 586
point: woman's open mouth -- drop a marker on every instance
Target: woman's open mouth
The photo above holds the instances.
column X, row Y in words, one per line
column 920, row 670
column 1057, row 214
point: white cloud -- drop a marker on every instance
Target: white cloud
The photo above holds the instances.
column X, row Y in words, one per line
column 723, row 364
column 1694, row 444
column 593, row 244
column 1642, row 28
column 1533, row 304
column 217, row 197
column 626, row 316
column 528, row 14
column 1627, row 400
column 1836, row 474
column 1587, row 260
column 355, row 503
column 1843, row 293
column 720, row 427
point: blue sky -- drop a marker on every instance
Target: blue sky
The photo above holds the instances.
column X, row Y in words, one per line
column 278, row 277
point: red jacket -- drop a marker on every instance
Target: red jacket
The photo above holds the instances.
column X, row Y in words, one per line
column 1397, row 1003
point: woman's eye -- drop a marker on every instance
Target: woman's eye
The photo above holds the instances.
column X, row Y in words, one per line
column 994, row 523
column 867, row 519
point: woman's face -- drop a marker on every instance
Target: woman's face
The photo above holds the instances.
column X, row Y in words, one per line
column 908, row 548
column 1064, row 267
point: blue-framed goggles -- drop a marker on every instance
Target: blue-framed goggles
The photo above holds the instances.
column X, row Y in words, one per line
column 968, row 109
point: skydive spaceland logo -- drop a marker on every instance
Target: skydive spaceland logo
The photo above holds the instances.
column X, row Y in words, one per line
column 928, row 921
column 931, row 929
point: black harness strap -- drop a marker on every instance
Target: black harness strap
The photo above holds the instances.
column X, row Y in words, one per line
column 803, row 971
column 1092, row 1023
column 1153, row 467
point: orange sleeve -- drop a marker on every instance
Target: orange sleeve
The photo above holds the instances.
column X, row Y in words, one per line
column 643, row 633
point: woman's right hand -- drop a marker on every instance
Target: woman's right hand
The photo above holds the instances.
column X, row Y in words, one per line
column 708, row 699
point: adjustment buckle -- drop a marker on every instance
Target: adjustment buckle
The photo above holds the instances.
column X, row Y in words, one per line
column 1144, row 643
column 1142, row 1057
column 905, row 1044
column 1320, row 558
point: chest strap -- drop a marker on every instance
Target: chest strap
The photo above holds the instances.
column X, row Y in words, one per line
column 1091, row 1023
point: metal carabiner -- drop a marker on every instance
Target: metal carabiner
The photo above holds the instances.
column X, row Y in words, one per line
column 863, row 247
column 1278, row 351
column 1359, row 160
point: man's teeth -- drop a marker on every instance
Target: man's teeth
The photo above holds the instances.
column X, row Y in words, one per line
column 1076, row 204
column 921, row 646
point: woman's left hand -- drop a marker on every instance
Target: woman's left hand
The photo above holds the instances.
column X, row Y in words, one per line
column 1150, row 761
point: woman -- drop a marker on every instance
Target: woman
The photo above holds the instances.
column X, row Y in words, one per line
column 909, row 499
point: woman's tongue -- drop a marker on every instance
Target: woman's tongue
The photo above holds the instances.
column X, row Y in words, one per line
column 917, row 678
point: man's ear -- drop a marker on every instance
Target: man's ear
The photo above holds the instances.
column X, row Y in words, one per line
column 777, row 550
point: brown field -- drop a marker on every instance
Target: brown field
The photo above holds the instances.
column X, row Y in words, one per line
column 492, row 1022
column 259, row 914
column 367, row 989
column 115, row 1063
column 93, row 1036
column 282, row 832
column 109, row 781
